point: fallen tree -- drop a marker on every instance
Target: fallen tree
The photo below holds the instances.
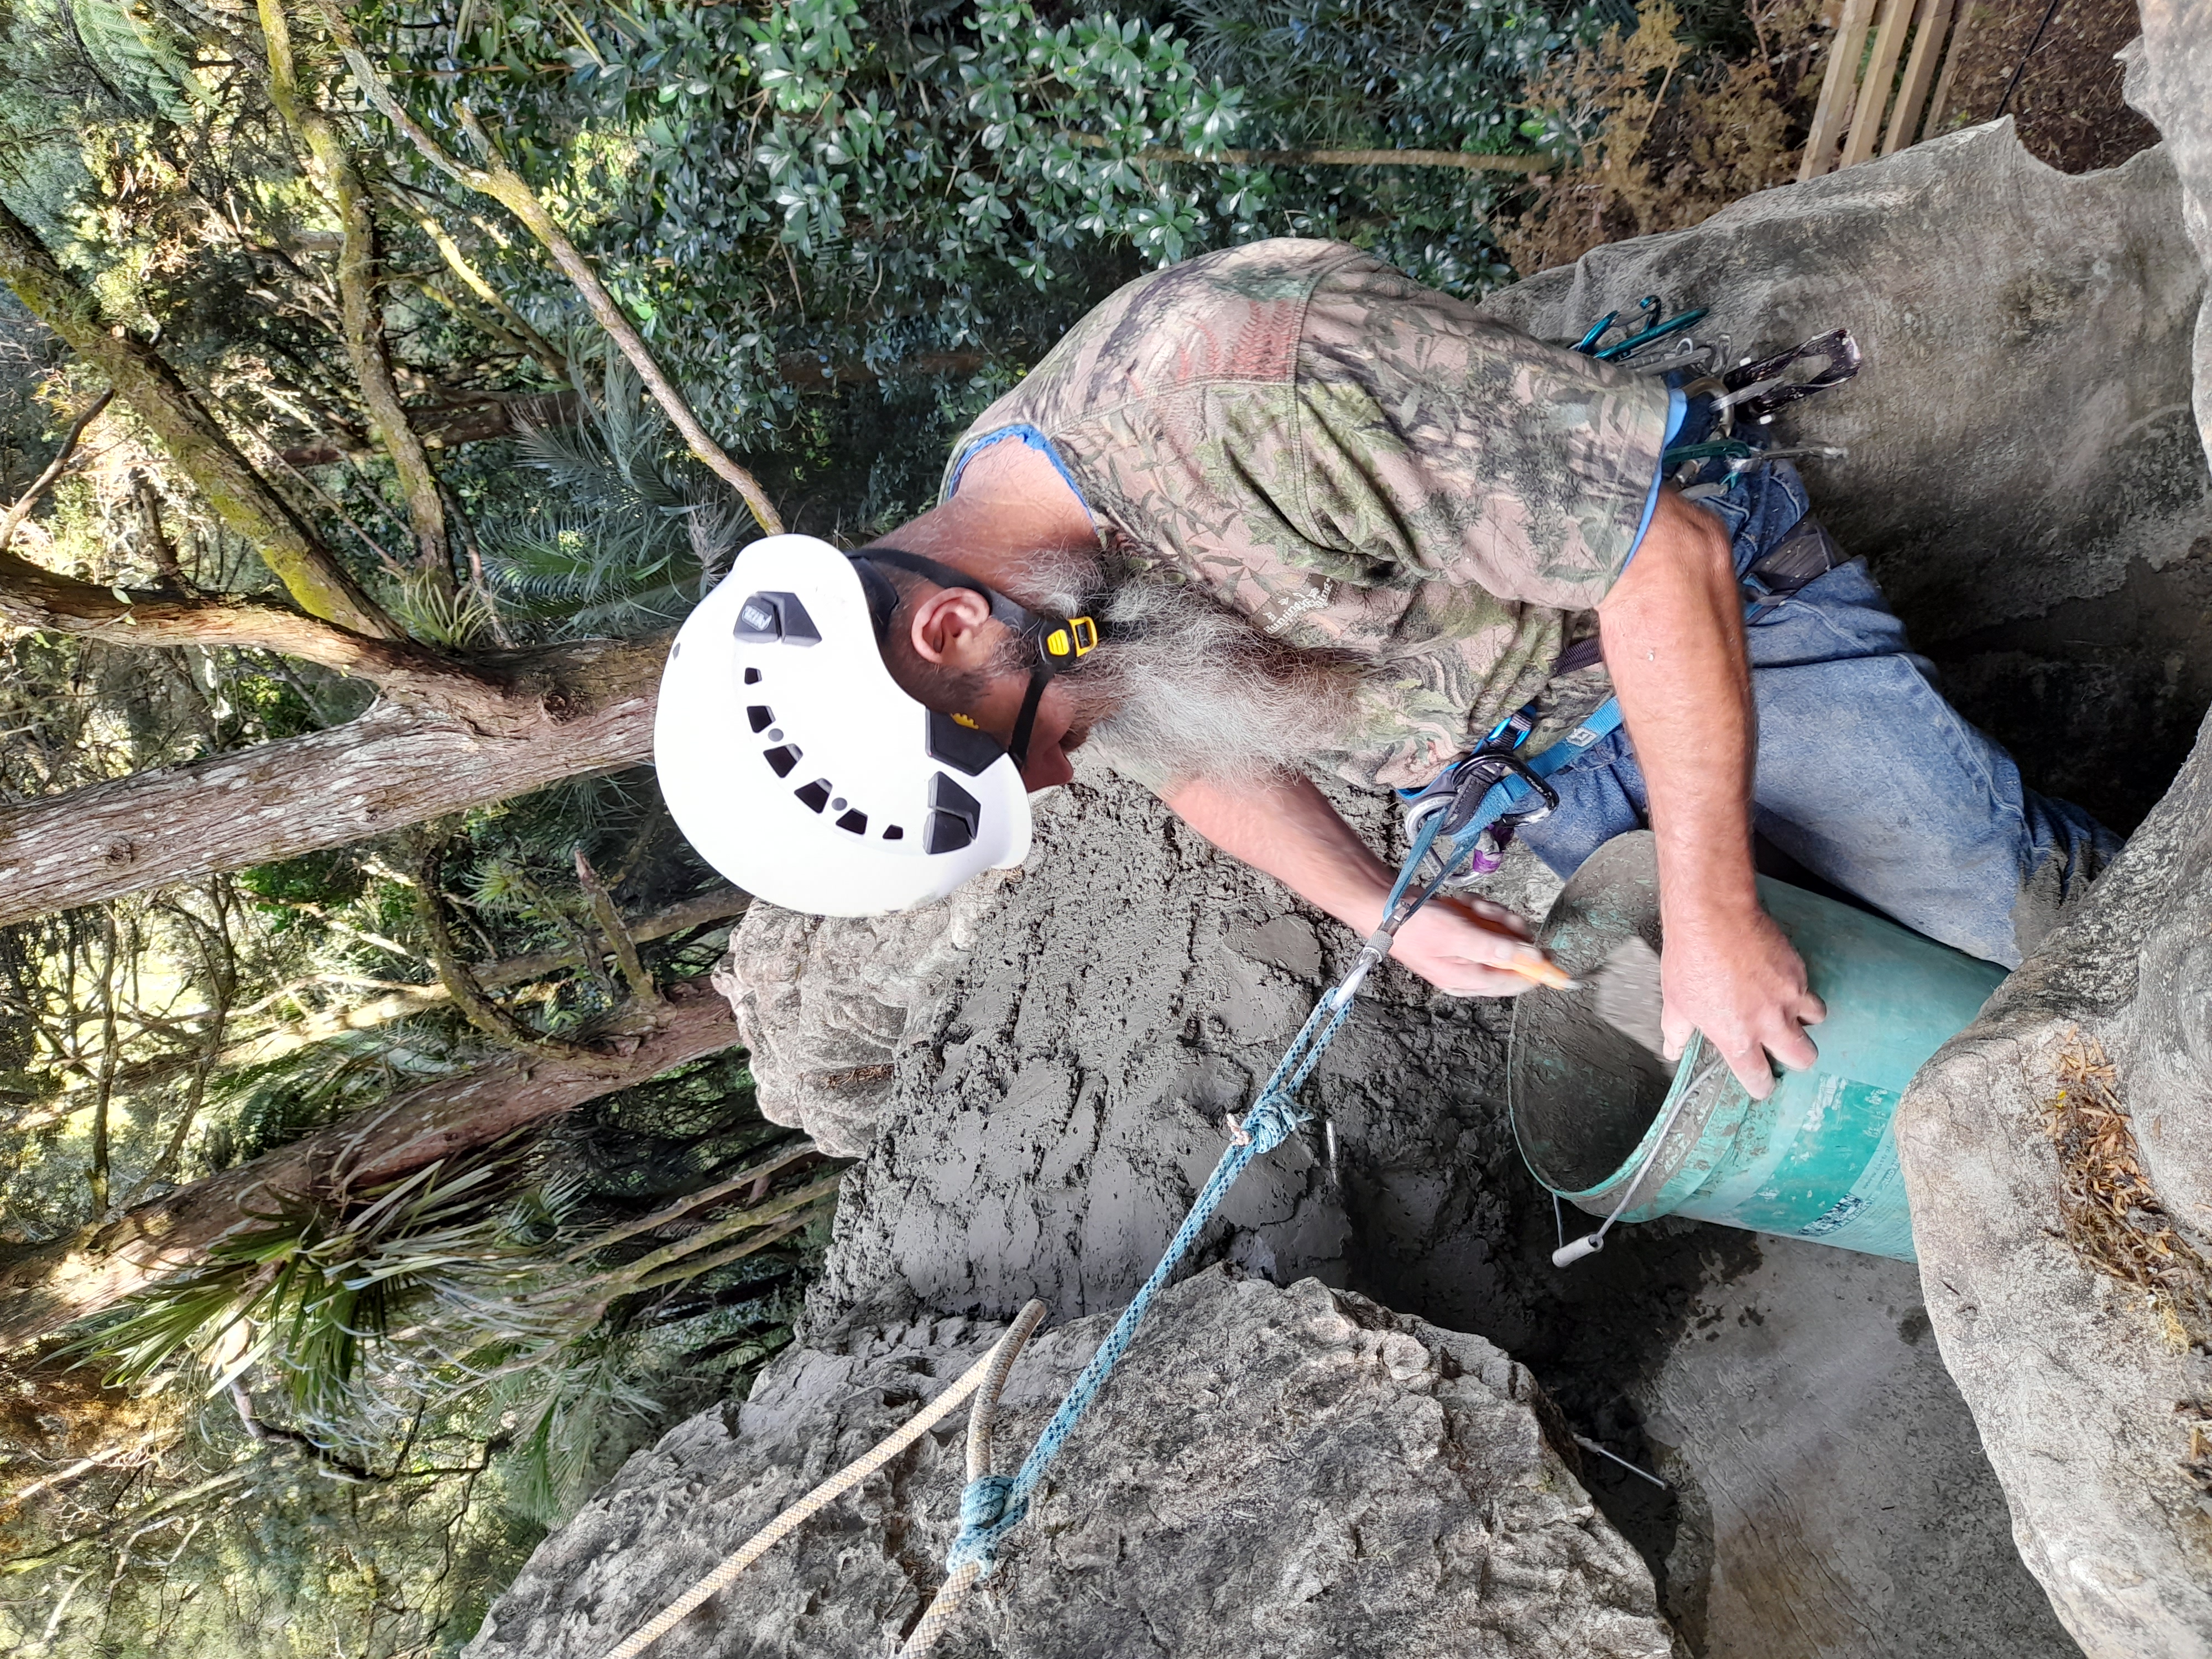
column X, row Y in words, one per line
column 68, row 1279
column 443, row 739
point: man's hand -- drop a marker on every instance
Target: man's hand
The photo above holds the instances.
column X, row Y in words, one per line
column 1742, row 984
column 1285, row 826
column 1464, row 946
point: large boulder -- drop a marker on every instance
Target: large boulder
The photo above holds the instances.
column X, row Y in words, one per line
column 2058, row 1156
column 2169, row 70
column 1287, row 1471
column 2064, row 1285
column 821, row 1003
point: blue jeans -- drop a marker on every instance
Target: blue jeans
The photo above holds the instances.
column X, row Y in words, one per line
column 1867, row 777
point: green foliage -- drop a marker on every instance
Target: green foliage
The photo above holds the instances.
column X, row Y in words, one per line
column 633, row 534
column 301, row 1294
column 327, row 878
column 869, row 190
column 141, row 55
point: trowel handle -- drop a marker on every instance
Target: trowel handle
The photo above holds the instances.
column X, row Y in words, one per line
column 1567, row 1255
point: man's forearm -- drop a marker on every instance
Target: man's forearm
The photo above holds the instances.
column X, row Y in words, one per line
column 1673, row 630
column 1285, row 827
column 1673, row 627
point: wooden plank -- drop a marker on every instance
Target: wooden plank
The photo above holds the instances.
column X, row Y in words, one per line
column 1837, row 85
column 1931, row 29
column 1875, row 89
column 1941, row 101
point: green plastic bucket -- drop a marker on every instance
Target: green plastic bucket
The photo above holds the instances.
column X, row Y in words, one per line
column 1817, row 1159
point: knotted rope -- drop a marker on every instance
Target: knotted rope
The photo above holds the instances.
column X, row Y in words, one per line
column 988, row 1373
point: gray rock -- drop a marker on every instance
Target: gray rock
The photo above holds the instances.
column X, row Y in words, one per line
column 1283, row 1472
column 1998, row 462
column 2072, row 1377
column 2084, row 1391
column 822, row 1003
column 2169, row 70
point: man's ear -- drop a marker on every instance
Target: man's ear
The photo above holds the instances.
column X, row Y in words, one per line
column 948, row 629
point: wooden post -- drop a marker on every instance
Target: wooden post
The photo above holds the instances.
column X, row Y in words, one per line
column 1874, row 87
column 1836, row 87
column 1933, row 28
column 1938, row 105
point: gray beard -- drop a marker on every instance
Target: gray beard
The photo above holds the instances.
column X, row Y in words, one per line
column 1187, row 688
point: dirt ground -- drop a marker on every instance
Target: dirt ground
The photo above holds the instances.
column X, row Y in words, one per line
column 2068, row 101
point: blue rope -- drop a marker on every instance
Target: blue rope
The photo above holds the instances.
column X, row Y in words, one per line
column 993, row 1506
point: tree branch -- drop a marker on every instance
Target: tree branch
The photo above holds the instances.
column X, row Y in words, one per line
column 548, row 356
column 617, row 936
column 361, row 319
column 533, row 718
column 31, row 596
column 144, row 380
column 1464, row 160
column 461, row 986
column 54, row 469
column 159, row 547
column 504, row 186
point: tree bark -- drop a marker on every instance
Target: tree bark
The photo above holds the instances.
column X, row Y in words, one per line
column 144, row 380
column 440, row 739
column 31, row 596
column 72, row 1278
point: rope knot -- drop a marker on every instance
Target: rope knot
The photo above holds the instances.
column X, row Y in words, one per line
column 1274, row 1121
column 985, row 1519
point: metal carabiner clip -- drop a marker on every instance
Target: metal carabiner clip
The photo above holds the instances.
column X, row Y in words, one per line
column 1459, row 793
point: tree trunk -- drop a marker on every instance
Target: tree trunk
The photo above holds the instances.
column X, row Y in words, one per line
column 442, row 740
column 93, row 1270
column 144, row 380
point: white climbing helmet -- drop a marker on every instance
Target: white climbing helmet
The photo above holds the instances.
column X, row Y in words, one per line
column 796, row 765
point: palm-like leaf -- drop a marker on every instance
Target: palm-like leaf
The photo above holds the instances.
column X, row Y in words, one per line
column 639, row 533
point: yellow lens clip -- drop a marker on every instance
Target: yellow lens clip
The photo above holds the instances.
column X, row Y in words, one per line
column 1079, row 638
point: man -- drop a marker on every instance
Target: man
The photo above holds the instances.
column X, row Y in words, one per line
column 1321, row 514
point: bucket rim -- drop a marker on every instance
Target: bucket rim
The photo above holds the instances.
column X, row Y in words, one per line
column 1699, row 1058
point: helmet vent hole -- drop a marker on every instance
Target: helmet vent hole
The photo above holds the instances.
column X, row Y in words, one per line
column 782, row 760
column 892, row 832
column 855, row 822
column 815, row 794
column 761, row 716
column 752, row 676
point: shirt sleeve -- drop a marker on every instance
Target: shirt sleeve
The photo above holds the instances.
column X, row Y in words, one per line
column 1459, row 452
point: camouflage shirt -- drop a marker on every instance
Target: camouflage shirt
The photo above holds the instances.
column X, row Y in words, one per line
column 1357, row 462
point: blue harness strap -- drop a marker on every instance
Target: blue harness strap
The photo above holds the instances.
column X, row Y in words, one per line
column 993, row 1506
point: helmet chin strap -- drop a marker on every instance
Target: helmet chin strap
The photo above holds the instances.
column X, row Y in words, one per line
column 1057, row 643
